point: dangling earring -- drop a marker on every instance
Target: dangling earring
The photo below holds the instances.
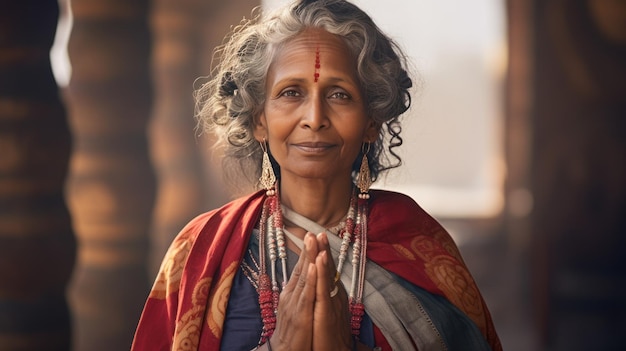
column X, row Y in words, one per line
column 364, row 179
column 268, row 178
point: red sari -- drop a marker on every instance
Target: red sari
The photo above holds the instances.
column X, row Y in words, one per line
column 187, row 304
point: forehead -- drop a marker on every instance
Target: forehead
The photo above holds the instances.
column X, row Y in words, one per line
column 313, row 45
column 316, row 38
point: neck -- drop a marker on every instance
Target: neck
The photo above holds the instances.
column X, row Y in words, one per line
column 324, row 202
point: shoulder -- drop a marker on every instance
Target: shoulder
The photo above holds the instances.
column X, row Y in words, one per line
column 202, row 229
column 199, row 235
column 398, row 217
column 401, row 205
column 385, row 196
column 235, row 216
column 232, row 213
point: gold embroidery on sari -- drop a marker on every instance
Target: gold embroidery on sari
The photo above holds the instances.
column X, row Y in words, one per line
column 404, row 252
column 446, row 242
column 188, row 327
column 219, row 300
column 168, row 279
column 450, row 275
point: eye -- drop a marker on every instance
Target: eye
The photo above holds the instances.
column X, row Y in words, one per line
column 339, row 95
column 290, row 93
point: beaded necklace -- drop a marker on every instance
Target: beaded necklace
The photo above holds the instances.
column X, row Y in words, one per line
column 272, row 243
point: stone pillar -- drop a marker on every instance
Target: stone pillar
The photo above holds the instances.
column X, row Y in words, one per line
column 37, row 246
column 177, row 51
column 111, row 189
column 185, row 35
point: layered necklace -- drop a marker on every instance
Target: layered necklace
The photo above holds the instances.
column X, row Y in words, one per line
column 272, row 244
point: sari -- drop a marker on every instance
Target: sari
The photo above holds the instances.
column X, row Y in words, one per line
column 186, row 307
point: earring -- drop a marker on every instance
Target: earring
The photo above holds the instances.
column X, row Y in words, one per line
column 364, row 179
column 268, row 178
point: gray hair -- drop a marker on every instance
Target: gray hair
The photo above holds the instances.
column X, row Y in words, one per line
column 230, row 104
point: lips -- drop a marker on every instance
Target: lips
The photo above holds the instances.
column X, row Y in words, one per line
column 313, row 147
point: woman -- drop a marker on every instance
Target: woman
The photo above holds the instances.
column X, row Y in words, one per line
column 308, row 102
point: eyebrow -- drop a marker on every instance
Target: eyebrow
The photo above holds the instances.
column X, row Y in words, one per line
column 289, row 80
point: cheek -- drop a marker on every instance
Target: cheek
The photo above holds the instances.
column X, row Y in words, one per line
column 353, row 131
column 353, row 144
column 278, row 130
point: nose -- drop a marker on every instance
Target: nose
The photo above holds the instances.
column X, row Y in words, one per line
column 315, row 116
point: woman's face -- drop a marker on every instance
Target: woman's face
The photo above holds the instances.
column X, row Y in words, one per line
column 314, row 117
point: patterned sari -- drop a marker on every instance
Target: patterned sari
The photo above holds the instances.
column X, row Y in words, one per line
column 187, row 305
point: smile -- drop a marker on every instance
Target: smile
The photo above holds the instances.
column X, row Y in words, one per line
column 313, row 147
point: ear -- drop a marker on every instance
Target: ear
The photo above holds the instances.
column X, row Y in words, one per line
column 260, row 128
column 371, row 131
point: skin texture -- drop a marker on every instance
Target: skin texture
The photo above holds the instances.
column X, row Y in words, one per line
column 314, row 121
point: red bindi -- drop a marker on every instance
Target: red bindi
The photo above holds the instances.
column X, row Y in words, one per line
column 316, row 76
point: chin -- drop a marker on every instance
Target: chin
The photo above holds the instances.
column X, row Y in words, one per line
column 311, row 173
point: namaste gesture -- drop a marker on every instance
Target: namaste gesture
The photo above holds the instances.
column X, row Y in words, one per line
column 308, row 317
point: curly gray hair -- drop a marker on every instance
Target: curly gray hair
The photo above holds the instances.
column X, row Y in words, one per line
column 231, row 102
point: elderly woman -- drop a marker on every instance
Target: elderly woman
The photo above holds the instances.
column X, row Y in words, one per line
column 307, row 101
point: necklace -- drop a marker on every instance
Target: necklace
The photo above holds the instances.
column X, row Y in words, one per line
column 272, row 243
column 271, row 236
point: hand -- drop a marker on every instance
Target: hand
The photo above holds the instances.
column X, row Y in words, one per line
column 331, row 315
column 294, row 321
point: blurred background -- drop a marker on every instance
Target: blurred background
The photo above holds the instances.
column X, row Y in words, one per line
column 516, row 142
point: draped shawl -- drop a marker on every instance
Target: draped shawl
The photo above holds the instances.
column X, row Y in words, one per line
column 186, row 307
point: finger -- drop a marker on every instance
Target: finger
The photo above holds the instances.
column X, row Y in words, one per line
column 322, row 241
column 307, row 256
column 299, row 271
column 324, row 246
column 306, row 300
column 310, row 246
column 324, row 285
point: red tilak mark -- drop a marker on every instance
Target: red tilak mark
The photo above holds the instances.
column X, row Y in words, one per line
column 317, row 65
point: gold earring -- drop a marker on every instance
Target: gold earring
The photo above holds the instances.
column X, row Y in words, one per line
column 268, row 178
column 364, row 179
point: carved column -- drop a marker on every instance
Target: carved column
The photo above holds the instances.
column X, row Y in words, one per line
column 177, row 46
column 37, row 246
column 185, row 35
column 111, row 190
